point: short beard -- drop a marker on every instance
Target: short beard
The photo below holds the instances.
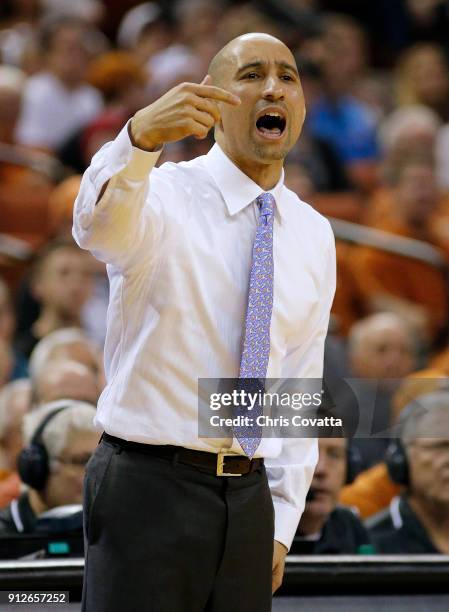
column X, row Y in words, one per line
column 264, row 152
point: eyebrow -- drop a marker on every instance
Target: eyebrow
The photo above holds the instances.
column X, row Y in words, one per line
column 260, row 63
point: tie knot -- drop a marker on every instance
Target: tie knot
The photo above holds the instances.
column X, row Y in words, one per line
column 266, row 203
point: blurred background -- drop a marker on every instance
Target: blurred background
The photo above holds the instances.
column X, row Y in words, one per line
column 373, row 158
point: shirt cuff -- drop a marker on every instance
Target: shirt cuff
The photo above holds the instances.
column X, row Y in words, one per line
column 140, row 161
column 286, row 520
column 126, row 160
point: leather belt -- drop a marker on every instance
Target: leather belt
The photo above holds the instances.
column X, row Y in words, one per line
column 220, row 464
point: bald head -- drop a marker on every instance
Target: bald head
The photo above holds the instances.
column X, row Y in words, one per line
column 374, row 324
column 381, row 346
column 225, row 61
column 257, row 134
column 66, row 379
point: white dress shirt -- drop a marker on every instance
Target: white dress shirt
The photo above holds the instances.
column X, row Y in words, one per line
column 178, row 241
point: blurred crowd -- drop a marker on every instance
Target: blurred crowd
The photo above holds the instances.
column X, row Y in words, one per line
column 373, row 157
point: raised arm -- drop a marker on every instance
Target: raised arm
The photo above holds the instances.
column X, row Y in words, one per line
column 114, row 217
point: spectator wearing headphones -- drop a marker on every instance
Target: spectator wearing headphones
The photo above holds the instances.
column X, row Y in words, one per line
column 60, row 439
column 417, row 521
column 325, row 527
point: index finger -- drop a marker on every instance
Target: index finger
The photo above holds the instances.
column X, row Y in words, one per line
column 217, row 93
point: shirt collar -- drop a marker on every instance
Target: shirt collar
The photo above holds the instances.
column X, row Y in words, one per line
column 237, row 189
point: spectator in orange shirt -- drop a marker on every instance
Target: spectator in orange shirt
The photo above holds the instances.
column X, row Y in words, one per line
column 415, row 290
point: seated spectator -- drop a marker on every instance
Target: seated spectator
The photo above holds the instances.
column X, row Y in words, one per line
column 145, row 30
column 70, row 344
column 120, row 79
column 64, row 379
column 422, row 77
column 422, row 211
column 346, row 41
column 58, row 101
column 381, row 352
column 414, row 289
column 325, row 527
column 19, row 22
column 417, row 521
column 373, row 489
column 315, row 155
column 60, row 439
column 348, row 126
column 409, row 132
column 337, row 116
column 61, row 282
column 197, row 41
column 60, row 205
column 15, row 402
column 381, row 347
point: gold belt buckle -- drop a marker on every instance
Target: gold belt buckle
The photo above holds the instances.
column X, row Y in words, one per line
column 220, row 464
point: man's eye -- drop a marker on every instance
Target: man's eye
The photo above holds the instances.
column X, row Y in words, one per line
column 286, row 77
column 251, row 75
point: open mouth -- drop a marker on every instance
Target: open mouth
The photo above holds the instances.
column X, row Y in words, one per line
column 271, row 124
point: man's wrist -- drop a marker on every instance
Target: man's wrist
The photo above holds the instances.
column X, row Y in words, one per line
column 137, row 142
column 284, row 548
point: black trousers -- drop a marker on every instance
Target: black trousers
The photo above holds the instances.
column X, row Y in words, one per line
column 166, row 537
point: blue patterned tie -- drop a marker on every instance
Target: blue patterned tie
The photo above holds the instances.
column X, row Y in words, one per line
column 256, row 343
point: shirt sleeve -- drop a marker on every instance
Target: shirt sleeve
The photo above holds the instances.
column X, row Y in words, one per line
column 291, row 472
column 119, row 227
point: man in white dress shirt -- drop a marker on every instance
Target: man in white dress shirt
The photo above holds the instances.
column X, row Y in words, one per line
column 166, row 530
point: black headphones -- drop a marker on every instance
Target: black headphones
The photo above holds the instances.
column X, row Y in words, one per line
column 32, row 462
column 397, row 462
column 396, row 455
